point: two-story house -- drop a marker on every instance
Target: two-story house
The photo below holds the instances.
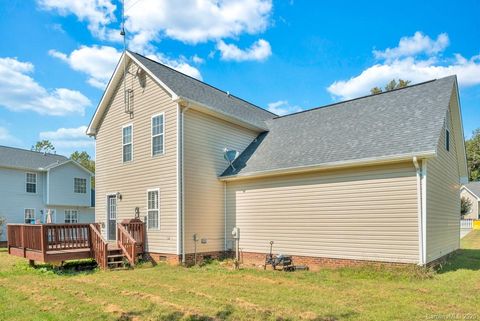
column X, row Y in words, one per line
column 43, row 188
column 375, row 178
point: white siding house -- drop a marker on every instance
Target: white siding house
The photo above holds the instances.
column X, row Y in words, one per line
column 36, row 185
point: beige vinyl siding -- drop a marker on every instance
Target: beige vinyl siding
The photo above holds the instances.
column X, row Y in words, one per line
column 145, row 172
column 205, row 137
column 443, row 196
column 367, row 213
column 474, row 210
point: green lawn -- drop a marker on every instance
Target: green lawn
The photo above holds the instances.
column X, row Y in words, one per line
column 215, row 292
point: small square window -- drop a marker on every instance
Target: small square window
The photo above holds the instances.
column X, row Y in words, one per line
column 29, row 216
column 80, row 185
column 71, row 216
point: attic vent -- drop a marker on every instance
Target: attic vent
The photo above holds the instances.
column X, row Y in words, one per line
column 129, row 101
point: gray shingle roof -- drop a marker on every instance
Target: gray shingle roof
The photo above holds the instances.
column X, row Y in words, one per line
column 403, row 121
column 198, row 91
column 26, row 159
column 474, row 187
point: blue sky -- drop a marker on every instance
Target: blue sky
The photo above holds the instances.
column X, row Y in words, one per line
column 57, row 55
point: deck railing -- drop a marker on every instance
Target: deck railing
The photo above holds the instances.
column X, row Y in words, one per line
column 67, row 236
column 127, row 243
column 98, row 246
column 136, row 229
column 466, row 224
column 47, row 242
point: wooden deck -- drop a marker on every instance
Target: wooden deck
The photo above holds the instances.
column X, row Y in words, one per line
column 52, row 243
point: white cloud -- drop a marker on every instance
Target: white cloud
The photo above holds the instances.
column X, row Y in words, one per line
column 194, row 21
column 96, row 13
column 6, row 138
column 68, row 140
column 198, row 60
column 260, row 50
column 98, row 62
column 417, row 44
column 19, row 91
column 410, row 68
column 282, row 107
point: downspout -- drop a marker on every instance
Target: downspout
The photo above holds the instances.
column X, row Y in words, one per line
column 225, row 215
column 182, row 115
column 420, row 211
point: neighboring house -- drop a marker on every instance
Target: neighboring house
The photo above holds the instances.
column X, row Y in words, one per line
column 471, row 191
column 375, row 178
column 35, row 185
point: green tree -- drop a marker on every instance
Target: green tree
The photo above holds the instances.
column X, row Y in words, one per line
column 391, row 85
column 472, row 147
column 86, row 161
column 465, row 206
column 44, row 146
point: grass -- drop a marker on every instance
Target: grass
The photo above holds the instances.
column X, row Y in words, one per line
column 216, row 292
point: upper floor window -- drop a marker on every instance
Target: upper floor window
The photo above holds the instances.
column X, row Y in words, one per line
column 71, row 216
column 127, row 136
column 31, row 182
column 29, row 216
column 153, row 209
column 80, row 185
column 447, row 132
column 158, row 131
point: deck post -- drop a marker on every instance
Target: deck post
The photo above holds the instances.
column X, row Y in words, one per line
column 22, row 238
column 31, row 263
column 43, row 241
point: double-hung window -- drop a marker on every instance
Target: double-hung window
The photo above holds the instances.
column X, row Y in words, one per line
column 80, row 185
column 71, row 216
column 158, row 134
column 29, row 216
column 127, row 137
column 31, row 183
column 153, row 209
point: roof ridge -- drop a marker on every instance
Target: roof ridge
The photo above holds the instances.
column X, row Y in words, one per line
column 204, row 83
column 33, row 151
column 361, row 97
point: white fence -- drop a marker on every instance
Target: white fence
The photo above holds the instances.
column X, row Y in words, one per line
column 466, row 224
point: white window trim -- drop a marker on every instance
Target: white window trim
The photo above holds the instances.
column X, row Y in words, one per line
column 36, row 182
column 162, row 134
column 34, row 214
column 131, row 142
column 65, row 215
column 85, row 185
column 158, row 209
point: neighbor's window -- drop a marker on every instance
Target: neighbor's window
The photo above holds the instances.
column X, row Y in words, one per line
column 447, row 132
column 153, row 209
column 157, row 135
column 29, row 216
column 31, row 183
column 127, row 143
column 71, row 216
column 80, row 185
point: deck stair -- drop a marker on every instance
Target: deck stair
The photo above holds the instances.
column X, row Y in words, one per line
column 115, row 257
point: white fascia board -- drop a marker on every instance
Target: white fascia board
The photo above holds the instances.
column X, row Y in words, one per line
column 475, row 195
column 92, row 127
column 73, row 162
column 333, row 165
